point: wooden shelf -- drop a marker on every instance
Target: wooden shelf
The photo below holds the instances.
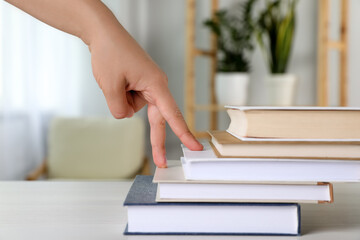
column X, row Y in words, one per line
column 202, row 134
column 325, row 44
column 191, row 53
column 335, row 45
column 201, row 52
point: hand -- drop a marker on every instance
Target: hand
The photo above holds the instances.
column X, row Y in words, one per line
column 129, row 80
column 127, row 76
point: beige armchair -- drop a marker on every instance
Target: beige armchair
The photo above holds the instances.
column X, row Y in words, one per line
column 94, row 148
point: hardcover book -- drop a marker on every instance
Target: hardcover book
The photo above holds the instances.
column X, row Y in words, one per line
column 295, row 122
column 205, row 165
column 148, row 217
column 173, row 187
column 226, row 145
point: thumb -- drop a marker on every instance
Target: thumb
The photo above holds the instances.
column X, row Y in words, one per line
column 117, row 101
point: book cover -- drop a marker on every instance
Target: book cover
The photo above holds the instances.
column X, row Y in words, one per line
column 143, row 193
column 205, row 165
column 225, row 145
column 310, row 123
column 173, row 187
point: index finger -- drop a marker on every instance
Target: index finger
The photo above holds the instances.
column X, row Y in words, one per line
column 172, row 114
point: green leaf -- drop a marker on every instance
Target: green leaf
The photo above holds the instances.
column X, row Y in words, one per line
column 275, row 33
column 235, row 34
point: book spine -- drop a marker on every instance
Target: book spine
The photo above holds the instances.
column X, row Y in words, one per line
column 331, row 192
column 299, row 219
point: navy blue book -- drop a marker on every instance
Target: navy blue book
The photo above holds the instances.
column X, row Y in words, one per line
column 148, row 217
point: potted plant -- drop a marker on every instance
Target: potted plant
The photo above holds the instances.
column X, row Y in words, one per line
column 275, row 33
column 234, row 30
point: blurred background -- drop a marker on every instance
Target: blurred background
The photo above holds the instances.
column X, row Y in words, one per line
column 46, row 74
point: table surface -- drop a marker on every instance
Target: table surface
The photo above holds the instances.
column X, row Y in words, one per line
column 93, row 210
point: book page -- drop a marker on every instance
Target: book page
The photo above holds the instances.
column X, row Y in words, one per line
column 249, row 139
column 245, row 108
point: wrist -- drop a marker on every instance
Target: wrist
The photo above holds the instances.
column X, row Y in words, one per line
column 99, row 24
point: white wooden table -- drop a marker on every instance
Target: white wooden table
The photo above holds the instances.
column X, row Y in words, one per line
column 93, row 210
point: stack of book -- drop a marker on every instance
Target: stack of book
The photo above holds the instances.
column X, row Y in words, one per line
column 250, row 179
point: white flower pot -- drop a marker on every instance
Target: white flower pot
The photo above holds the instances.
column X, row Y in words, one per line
column 231, row 88
column 281, row 89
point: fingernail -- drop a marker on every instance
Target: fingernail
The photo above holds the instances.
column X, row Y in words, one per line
column 200, row 146
column 164, row 162
column 131, row 113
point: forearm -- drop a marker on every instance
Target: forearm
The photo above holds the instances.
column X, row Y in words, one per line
column 86, row 19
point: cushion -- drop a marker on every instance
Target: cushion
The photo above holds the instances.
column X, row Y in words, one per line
column 95, row 148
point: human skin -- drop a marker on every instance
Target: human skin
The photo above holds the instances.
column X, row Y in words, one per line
column 126, row 74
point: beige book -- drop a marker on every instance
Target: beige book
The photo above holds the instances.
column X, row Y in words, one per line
column 226, row 145
column 172, row 187
column 295, row 122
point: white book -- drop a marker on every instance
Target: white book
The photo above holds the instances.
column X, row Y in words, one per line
column 205, row 165
column 148, row 217
column 173, row 187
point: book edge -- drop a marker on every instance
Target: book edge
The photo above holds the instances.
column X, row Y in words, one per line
column 126, row 232
column 295, row 108
column 323, row 140
column 218, row 154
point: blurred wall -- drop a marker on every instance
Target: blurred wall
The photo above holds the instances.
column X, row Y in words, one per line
column 354, row 53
